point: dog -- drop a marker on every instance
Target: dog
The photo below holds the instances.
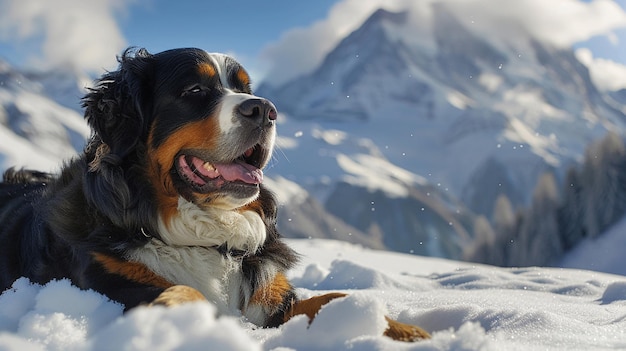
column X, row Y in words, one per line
column 166, row 204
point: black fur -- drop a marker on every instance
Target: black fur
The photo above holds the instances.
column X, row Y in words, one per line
column 101, row 202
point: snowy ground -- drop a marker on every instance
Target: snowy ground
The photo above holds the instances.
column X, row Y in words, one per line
column 603, row 254
column 465, row 307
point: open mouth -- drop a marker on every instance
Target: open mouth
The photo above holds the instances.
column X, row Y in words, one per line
column 205, row 176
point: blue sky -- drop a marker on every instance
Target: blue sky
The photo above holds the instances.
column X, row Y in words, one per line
column 269, row 37
column 243, row 27
column 604, row 47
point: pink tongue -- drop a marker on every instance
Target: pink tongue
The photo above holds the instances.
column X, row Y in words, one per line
column 237, row 170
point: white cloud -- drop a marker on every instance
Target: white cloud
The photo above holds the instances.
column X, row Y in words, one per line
column 606, row 74
column 83, row 35
column 301, row 49
column 560, row 22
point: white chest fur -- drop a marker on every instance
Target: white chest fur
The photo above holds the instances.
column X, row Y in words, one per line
column 187, row 255
column 217, row 277
column 193, row 226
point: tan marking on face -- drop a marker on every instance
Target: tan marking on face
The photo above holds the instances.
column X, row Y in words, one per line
column 199, row 135
column 206, row 69
column 243, row 77
column 254, row 206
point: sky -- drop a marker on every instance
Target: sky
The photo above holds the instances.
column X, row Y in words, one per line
column 277, row 38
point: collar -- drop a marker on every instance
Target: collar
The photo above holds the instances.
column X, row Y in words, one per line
column 226, row 252
column 222, row 249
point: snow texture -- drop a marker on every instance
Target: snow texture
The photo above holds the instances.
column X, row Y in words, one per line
column 465, row 307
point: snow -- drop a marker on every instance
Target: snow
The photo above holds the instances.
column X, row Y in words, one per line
column 585, row 255
column 374, row 173
column 37, row 133
column 332, row 137
column 464, row 306
column 286, row 191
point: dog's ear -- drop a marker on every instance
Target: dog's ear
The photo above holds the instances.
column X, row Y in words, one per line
column 117, row 109
column 117, row 106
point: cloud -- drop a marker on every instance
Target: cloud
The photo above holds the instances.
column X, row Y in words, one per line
column 77, row 34
column 606, row 74
column 301, row 49
column 560, row 22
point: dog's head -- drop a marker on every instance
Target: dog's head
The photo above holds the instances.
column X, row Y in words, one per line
column 187, row 122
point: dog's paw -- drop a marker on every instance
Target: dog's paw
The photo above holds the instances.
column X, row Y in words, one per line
column 405, row 332
column 311, row 306
column 178, row 294
column 396, row 330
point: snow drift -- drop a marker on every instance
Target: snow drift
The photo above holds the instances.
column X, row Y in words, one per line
column 465, row 307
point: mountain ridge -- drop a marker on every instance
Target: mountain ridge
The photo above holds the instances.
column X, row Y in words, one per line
column 541, row 100
column 402, row 138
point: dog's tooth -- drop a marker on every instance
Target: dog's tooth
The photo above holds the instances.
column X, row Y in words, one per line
column 209, row 167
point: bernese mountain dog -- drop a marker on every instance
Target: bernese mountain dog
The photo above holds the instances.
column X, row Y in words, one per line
column 166, row 204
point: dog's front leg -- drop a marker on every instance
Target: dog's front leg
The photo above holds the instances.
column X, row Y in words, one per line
column 311, row 306
column 396, row 330
column 178, row 294
column 404, row 332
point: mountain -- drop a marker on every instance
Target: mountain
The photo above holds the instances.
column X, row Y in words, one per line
column 404, row 137
column 39, row 120
column 440, row 109
column 353, row 180
column 301, row 215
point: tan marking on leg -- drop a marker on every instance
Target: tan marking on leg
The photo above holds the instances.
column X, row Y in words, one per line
column 396, row 330
column 176, row 295
column 133, row 271
column 272, row 294
column 405, row 332
column 311, row 306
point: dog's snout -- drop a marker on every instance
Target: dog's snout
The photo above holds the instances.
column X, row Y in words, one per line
column 258, row 109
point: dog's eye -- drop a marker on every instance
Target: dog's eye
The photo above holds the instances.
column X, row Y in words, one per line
column 192, row 90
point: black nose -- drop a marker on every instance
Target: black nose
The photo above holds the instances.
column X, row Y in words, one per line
column 258, row 109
